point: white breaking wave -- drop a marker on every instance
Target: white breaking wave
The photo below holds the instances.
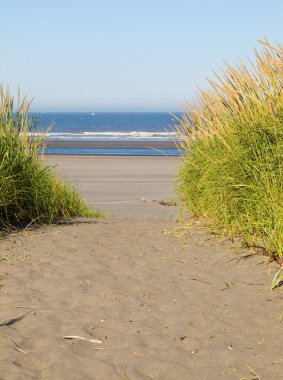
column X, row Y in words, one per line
column 132, row 135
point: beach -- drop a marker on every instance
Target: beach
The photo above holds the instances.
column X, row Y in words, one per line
column 118, row 144
column 123, row 187
column 149, row 302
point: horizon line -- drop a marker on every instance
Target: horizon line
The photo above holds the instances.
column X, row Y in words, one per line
column 104, row 111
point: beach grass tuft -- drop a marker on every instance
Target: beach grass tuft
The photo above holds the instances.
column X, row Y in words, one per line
column 232, row 172
column 30, row 192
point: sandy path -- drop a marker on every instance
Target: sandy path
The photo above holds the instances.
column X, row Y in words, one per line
column 162, row 309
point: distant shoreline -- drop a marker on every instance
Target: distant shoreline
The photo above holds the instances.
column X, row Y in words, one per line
column 76, row 144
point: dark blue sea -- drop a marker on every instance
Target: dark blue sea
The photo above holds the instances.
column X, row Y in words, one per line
column 107, row 127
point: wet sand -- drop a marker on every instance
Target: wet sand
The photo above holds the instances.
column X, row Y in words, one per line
column 154, row 305
column 88, row 144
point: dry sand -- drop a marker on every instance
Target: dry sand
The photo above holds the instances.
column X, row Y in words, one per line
column 123, row 186
column 163, row 308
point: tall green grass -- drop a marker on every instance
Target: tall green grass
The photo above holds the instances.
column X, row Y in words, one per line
column 29, row 191
column 233, row 138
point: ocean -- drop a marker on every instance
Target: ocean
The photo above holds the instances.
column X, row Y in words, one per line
column 108, row 133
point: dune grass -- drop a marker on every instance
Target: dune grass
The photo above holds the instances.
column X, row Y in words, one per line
column 233, row 138
column 29, row 191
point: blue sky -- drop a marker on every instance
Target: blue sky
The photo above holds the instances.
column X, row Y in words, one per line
column 126, row 55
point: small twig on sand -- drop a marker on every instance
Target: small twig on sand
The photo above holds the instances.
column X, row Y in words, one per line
column 253, row 375
column 11, row 321
column 15, row 345
column 82, row 338
column 200, row 280
column 107, row 348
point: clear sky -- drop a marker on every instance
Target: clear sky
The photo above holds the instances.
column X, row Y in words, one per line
column 126, row 55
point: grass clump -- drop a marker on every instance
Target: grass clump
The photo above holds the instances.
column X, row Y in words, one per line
column 233, row 139
column 29, row 191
